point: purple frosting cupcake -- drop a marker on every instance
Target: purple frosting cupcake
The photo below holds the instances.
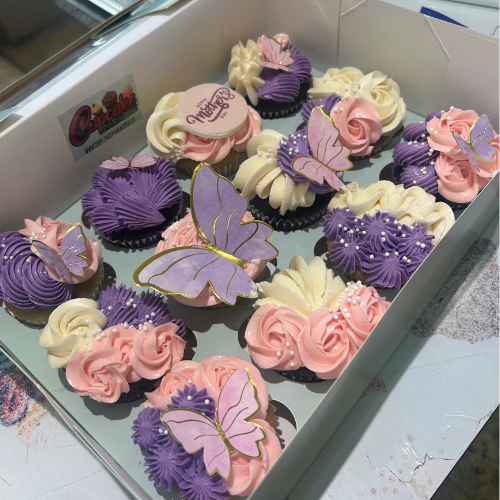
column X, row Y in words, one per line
column 327, row 104
column 131, row 207
column 414, row 159
column 377, row 249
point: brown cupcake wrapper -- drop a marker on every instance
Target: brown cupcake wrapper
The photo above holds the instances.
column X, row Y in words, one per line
column 188, row 166
column 37, row 317
column 281, row 113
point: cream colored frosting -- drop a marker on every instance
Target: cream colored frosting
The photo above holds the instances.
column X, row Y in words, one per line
column 409, row 206
column 260, row 175
column 70, row 330
column 244, row 70
column 303, row 287
column 378, row 89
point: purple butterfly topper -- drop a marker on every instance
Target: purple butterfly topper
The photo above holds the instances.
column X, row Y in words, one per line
column 217, row 211
column 70, row 259
column 230, row 431
column 119, row 162
column 478, row 147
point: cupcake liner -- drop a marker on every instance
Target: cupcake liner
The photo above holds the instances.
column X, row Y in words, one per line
column 137, row 390
column 302, row 374
column 37, row 317
column 272, row 109
column 141, row 238
column 226, row 167
column 91, row 288
column 301, row 218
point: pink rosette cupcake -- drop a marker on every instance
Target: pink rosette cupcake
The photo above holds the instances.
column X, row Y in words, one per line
column 310, row 335
column 45, row 264
column 184, row 233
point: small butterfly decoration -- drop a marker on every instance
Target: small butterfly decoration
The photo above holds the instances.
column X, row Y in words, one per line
column 70, row 259
column 119, row 162
column 276, row 57
column 217, row 211
column 230, row 431
column 478, row 147
column 328, row 156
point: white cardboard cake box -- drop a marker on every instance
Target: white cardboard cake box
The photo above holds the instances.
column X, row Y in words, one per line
column 435, row 64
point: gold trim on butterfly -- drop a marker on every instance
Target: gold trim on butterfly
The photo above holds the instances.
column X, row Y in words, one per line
column 488, row 142
column 317, row 159
column 230, row 448
column 281, row 51
column 209, row 246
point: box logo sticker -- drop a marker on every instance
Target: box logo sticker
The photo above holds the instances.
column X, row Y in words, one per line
column 92, row 122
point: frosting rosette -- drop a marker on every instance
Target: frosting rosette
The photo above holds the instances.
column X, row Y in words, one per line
column 52, row 233
column 156, row 350
column 272, row 335
column 100, row 375
column 180, row 376
column 359, row 125
column 334, row 81
column 168, row 138
column 247, row 473
column 70, row 330
column 326, row 344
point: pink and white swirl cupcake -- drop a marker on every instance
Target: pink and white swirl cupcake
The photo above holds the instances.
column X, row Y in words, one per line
column 183, row 233
column 310, row 334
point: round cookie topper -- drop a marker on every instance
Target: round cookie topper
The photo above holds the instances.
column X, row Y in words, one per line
column 212, row 110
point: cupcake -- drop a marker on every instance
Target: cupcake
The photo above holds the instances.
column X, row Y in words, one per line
column 110, row 100
column 311, row 334
column 357, row 120
column 208, row 123
column 444, row 164
column 380, row 91
column 173, row 460
column 183, row 233
column 112, row 353
column 378, row 250
column 409, row 206
column 132, row 206
column 272, row 75
column 45, row 264
column 96, row 109
column 128, row 91
column 278, row 195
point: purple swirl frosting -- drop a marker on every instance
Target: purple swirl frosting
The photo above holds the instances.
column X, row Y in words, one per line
column 327, row 104
column 131, row 198
column 123, row 305
column 296, row 145
column 283, row 86
column 424, row 177
column 24, row 281
column 147, row 428
column 387, row 251
column 192, row 399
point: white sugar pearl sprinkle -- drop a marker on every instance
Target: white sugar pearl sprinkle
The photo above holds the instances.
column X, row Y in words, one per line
column 347, row 315
column 278, row 354
column 287, row 344
column 207, row 401
column 292, row 365
column 98, row 337
column 189, row 398
column 109, row 308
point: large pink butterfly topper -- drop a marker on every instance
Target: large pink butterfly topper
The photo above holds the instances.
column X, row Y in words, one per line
column 70, row 259
column 478, row 147
column 275, row 56
column 230, row 431
column 217, row 211
column 328, row 157
column 119, row 162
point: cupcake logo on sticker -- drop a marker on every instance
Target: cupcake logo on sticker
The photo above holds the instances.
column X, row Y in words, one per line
column 93, row 121
column 212, row 111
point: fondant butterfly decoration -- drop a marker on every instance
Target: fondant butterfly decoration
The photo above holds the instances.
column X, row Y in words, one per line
column 119, row 162
column 70, row 259
column 478, row 147
column 230, row 431
column 328, row 156
column 276, row 57
column 217, row 210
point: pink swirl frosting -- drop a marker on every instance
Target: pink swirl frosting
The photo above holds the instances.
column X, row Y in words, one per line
column 271, row 336
column 359, row 124
column 326, row 344
column 247, row 473
column 100, row 374
column 362, row 312
column 184, row 233
column 181, row 375
column 213, row 373
column 52, row 232
column 214, row 150
column 121, row 337
column 280, row 37
column 156, row 350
